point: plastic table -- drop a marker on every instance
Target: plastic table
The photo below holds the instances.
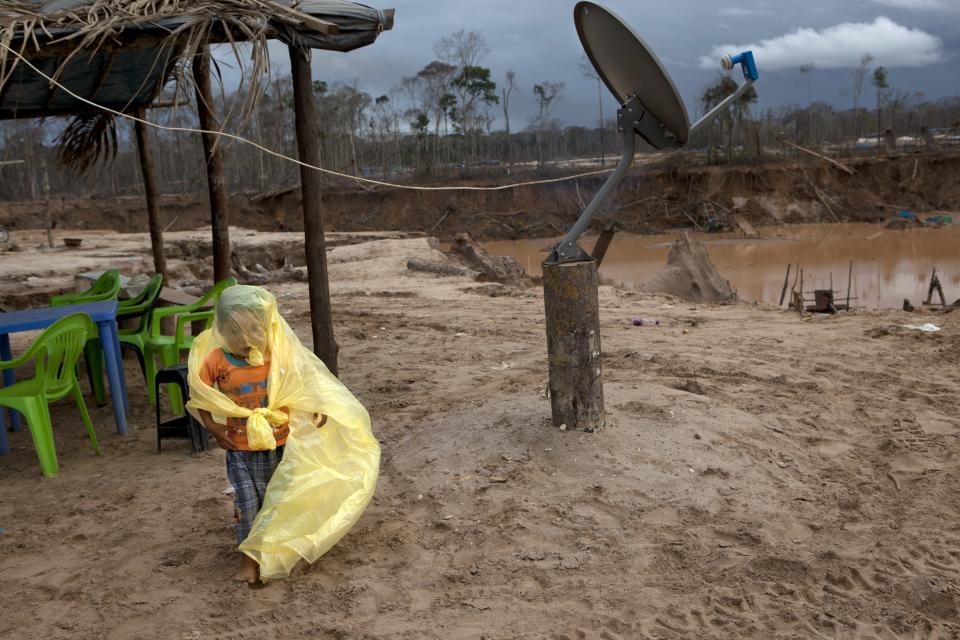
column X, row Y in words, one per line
column 104, row 314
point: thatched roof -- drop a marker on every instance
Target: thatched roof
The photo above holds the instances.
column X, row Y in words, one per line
column 120, row 53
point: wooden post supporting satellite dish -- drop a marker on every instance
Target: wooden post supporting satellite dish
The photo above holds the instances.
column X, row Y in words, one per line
column 651, row 108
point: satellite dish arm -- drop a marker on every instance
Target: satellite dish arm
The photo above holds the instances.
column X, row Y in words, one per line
column 567, row 250
column 750, row 74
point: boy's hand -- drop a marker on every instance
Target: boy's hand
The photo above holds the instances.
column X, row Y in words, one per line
column 281, row 431
column 221, row 435
column 218, row 431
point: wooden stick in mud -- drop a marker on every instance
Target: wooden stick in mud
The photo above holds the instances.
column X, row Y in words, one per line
column 849, row 284
column 935, row 286
column 786, row 281
column 817, row 155
column 929, row 299
column 801, row 291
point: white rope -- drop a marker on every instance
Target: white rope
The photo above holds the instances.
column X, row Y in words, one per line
column 276, row 154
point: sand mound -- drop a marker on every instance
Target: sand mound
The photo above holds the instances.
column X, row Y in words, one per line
column 690, row 275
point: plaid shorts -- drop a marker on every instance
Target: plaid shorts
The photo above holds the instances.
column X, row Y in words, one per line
column 249, row 473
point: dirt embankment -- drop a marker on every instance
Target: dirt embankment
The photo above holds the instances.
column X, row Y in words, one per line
column 653, row 200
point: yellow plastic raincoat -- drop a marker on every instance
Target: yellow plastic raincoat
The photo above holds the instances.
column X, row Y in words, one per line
column 327, row 475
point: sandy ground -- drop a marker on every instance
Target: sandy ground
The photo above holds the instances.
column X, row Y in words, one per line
column 760, row 476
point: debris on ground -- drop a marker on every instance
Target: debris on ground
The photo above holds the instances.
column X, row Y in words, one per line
column 926, row 328
column 441, row 268
column 501, row 269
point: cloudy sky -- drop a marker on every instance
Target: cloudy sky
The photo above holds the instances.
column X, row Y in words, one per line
column 917, row 40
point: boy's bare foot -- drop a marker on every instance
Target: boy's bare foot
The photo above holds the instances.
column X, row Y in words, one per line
column 249, row 571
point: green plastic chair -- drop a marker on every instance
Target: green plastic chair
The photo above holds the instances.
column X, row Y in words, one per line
column 106, row 287
column 168, row 348
column 133, row 338
column 55, row 353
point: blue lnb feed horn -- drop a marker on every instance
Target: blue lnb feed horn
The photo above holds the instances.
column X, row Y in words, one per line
column 746, row 62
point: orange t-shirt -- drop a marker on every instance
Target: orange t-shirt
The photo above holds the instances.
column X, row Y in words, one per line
column 244, row 383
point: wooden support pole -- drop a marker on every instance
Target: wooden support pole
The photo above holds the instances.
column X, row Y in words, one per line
column 213, row 154
column 786, row 282
column 603, row 242
column 49, row 205
column 935, row 286
column 571, row 301
column 308, row 146
column 849, row 284
column 148, row 170
column 800, row 307
column 929, row 299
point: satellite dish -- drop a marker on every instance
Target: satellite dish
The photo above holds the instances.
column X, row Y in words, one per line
column 650, row 105
column 630, row 69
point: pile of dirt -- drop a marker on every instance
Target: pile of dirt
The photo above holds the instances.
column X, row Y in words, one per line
column 691, row 275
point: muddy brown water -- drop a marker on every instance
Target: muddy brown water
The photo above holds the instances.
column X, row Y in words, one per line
column 888, row 265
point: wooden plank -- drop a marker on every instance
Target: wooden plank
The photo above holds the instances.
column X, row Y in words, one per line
column 745, row 226
column 308, row 147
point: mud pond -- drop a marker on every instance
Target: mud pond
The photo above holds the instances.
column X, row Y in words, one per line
column 888, row 265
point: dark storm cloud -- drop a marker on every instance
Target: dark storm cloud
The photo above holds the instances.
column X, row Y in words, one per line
column 537, row 39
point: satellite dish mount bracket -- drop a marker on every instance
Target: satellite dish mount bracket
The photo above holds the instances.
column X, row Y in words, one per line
column 632, row 120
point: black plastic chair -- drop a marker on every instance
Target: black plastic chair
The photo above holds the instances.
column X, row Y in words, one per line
column 185, row 426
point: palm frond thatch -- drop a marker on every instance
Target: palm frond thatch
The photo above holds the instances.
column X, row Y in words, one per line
column 30, row 27
column 87, row 140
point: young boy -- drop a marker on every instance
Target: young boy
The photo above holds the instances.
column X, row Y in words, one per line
column 243, row 331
